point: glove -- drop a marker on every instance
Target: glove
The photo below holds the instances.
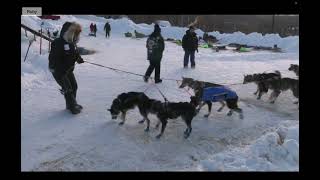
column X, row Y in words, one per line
column 80, row 60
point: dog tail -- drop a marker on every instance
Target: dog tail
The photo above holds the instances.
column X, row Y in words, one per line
column 278, row 72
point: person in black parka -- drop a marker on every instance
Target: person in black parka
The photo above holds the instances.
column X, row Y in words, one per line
column 155, row 47
column 95, row 30
column 189, row 45
column 107, row 28
column 62, row 58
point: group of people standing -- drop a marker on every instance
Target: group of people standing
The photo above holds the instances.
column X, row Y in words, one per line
column 107, row 29
column 93, row 29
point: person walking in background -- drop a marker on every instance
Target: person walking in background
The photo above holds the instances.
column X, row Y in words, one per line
column 155, row 47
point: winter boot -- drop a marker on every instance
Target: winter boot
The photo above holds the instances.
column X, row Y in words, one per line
column 72, row 104
column 158, row 81
column 145, row 78
column 75, row 98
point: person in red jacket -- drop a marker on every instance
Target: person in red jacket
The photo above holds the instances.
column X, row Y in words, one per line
column 91, row 28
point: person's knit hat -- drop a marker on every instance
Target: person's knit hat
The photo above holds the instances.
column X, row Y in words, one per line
column 157, row 28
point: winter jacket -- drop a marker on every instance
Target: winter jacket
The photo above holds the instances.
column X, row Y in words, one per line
column 107, row 27
column 155, row 47
column 64, row 53
column 91, row 27
column 190, row 41
column 95, row 28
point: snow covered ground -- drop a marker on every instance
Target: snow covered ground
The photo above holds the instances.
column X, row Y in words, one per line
column 52, row 139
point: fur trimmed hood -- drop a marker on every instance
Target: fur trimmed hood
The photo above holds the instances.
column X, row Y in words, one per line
column 70, row 32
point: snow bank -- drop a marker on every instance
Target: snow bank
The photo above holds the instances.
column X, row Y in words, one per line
column 34, row 22
column 289, row 44
column 34, row 70
column 275, row 151
column 164, row 23
column 123, row 25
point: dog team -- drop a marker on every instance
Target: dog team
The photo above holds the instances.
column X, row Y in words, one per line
column 204, row 94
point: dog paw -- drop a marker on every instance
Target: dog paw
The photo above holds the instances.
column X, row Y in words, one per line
column 158, row 136
column 140, row 122
column 206, row 115
column 271, row 102
column 219, row 110
column 121, row 123
column 229, row 114
column 146, row 130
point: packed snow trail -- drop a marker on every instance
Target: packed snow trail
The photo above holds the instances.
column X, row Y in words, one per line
column 53, row 139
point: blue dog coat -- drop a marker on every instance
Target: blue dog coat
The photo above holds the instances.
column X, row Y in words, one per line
column 219, row 93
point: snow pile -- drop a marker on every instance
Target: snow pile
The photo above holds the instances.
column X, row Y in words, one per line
column 34, row 70
column 275, row 151
column 35, row 22
column 164, row 23
column 31, row 21
column 92, row 18
column 289, row 44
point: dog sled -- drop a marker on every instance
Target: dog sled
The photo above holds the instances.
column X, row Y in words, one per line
column 139, row 35
column 217, row 94
column 247, row 48
column 243, row 49
column 128, row 34
column 170, row 39
column 206, row 45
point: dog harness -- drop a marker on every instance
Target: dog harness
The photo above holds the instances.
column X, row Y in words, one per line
column 219, row 93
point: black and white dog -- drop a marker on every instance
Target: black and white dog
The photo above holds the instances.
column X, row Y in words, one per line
column 198, row 88
column 163, row 110
column 259, row 79
column 294, row 68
